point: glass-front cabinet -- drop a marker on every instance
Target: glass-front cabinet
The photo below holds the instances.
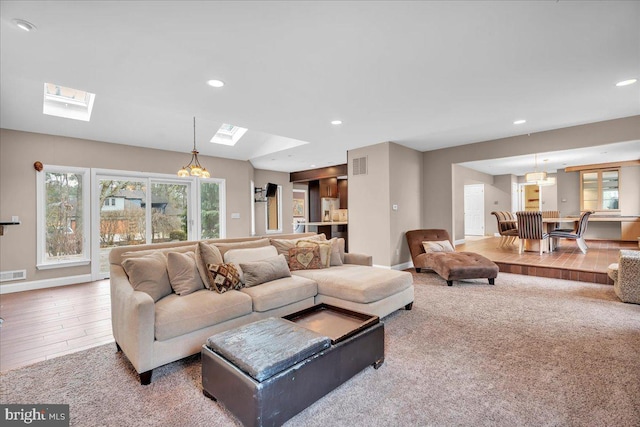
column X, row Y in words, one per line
column 599, row 190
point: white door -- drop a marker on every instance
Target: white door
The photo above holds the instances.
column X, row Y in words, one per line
column 474, row 210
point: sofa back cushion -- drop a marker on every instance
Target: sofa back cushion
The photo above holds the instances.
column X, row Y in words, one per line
column 206, row 254
column 149, row 274
column 224, row 247
column 183, row 273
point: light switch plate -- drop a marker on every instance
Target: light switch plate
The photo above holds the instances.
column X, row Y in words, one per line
column 235, row 215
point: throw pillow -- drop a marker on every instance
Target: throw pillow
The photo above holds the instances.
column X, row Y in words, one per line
column 266, row 270
column 337, row 251
column 283, row 245
column 183, row 273
column 323, row 246
column 223, row 277
column 437, row 246
column 206, row 254
column 149, row 274
column 238, row 256
column 304, row 258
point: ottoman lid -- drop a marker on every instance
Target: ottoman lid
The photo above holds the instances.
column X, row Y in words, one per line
column 267, row 347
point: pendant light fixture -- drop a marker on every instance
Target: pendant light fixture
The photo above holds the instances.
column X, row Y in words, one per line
column 194, row 168
column 549, row 180
column 535, row 176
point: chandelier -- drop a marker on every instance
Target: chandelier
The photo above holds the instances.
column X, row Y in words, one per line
column 535, row 176
column 194, row 168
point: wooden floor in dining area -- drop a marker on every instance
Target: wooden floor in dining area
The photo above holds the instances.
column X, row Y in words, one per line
column 566, row 262
column 47, row 323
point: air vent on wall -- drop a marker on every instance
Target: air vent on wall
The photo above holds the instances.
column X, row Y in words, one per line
column 6, row 276
column 360, row 166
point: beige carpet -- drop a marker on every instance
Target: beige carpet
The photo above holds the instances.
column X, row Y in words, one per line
column 526, row 352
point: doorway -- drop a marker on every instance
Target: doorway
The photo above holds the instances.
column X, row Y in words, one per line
column 474, row 210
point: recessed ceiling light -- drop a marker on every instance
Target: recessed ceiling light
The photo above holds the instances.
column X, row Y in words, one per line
column 519, row 122
column 215, row 83
column 24, row 25
column 626, row 82
column 336, row 122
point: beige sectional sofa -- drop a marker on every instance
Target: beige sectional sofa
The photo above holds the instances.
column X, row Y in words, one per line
column 154, row 329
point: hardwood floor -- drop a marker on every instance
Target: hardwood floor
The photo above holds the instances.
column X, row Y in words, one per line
column 47, row 323
column 566, row 262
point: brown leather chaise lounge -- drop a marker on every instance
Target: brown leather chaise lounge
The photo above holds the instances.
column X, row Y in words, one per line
column 450, row 265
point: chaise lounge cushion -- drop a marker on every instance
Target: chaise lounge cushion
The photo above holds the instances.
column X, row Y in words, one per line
column 179, row 315
column 462, row 265
column 357, row 283
column 281, row 292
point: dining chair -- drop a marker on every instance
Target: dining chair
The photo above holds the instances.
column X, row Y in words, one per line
column 530, row 227
column 507, row 227
column 577, row 233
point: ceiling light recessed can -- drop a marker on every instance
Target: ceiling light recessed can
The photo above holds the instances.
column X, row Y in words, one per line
column 215, row 83
column 626, row 82
column 336, row 122
column 24, row 25
column 519, row 122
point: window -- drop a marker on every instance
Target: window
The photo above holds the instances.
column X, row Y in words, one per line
column 274, row 212
column 599, row 190
column 211, row 212
column 63, row 217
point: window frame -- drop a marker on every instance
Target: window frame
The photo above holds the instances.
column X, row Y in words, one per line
column 41, row 226
column 278, row 198
column 600, row 193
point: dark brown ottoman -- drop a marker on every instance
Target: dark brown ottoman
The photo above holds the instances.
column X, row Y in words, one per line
column 463, row 265
column 268, row 371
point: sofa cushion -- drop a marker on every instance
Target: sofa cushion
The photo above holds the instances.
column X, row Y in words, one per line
column 266, row 270
column 357, row 283
column 183, row 273
column 224, row 247
column 179, row 315
column 149, row 274
column 238, row 256
column 324, row 247
column 303, row 258
column 223, row 277
column 281, row 292
column 206, row 254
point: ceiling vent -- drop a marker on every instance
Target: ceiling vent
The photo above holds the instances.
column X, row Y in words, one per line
column 360, row 166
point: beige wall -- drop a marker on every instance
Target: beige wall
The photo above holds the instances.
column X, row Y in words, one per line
column 405, row 190
column 261, row 178
column 19, row 150
column 438, row 178
column 369, row 207
column 393, row 178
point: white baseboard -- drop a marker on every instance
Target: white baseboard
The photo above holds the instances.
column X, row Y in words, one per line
column 382, row 266
column 459, row 242
column 402, row 266
column 42, row 284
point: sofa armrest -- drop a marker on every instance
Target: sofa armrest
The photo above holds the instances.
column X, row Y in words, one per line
column 132, row 320
column 359, row 259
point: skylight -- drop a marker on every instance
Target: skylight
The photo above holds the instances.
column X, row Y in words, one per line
column 66, row 102
column 228, row 134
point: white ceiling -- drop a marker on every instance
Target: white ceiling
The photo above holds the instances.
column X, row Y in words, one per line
column 426, row 75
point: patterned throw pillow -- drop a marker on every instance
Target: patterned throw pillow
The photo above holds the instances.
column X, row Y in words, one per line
column 223, row 277
column 304, row 258
column 323, row 246
column 437, row 246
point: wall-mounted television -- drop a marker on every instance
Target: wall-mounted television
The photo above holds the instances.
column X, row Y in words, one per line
column 272, row 189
